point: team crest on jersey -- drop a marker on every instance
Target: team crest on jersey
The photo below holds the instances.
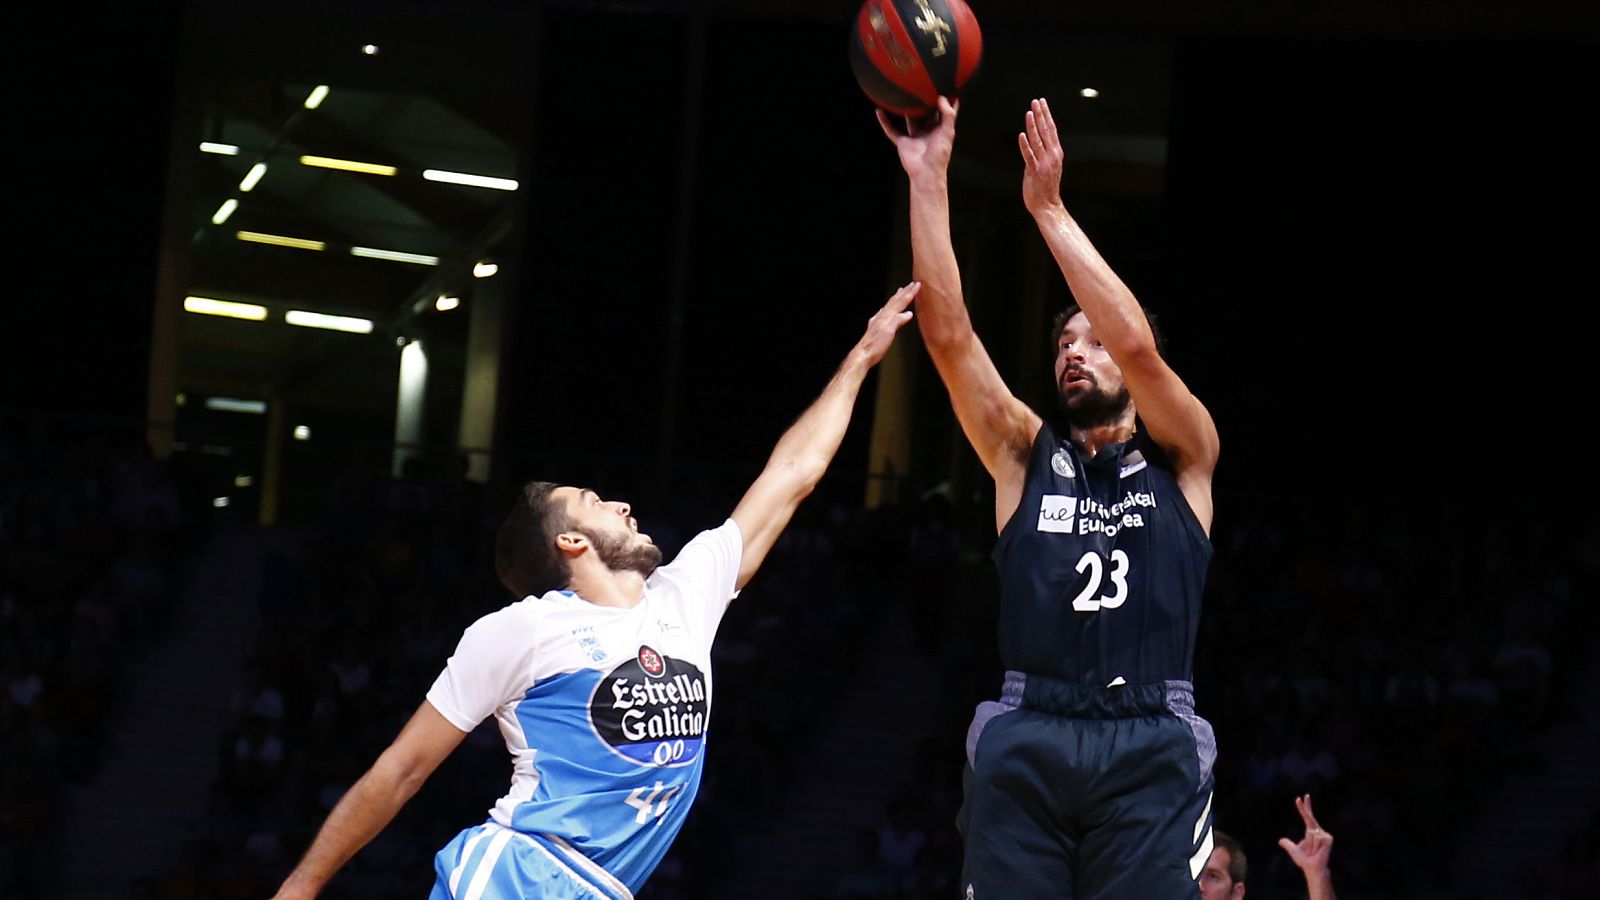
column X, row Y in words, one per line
column 651, row 662
column 1061, row 465
column 651, row 710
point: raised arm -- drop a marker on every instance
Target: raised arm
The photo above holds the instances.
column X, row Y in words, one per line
column 1000, row 427
column 374, row 800
column 1174, row 417
column 804, row 451
column 1312, row 852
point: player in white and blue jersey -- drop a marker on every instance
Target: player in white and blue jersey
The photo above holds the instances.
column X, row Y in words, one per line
column 599, row 678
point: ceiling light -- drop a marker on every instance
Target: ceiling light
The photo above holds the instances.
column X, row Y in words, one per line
column 483, row 181
column 369, row 49
column 279, row 240
column 333, row 323
column 221, row 149
column 252, row 178
column 224, row 211
column 220, row 502
column 317, row 95
column 324, row 162
column 1088, row 93
column 207, row 306
column 302, row 433
column 243, row 481
column 231, row 404
column 395, row 256
column 445, row 304
column 484, row 269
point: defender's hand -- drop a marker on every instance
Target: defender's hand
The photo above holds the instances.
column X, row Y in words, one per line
column 885, row 322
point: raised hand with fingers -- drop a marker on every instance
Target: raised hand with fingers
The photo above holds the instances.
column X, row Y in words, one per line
column 924, row 144
column 1312, row 852
column 1042, row 159
column 883, row 325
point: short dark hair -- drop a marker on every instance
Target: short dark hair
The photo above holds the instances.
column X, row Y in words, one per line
column 525, row 554
column 1237, row 868
column 1060, row 325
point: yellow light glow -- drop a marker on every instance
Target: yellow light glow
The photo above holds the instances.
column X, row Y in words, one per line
column 445, row 304
column 207, row 306
column 279, row 240
column 224, row 211
column 219, row 149
column 484, row 269
column 317, row 95
column 347, row 165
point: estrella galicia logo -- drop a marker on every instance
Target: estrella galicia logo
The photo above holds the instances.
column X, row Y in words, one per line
column 651, row 710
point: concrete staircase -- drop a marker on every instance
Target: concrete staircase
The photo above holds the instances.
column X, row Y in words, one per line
column 859, row 762
column 130, row 819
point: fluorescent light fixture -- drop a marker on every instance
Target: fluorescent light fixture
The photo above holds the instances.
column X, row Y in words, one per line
column 483, row 181
column 445, row 304
column 207, row 306
column 252, row 178
column 302, row 433
column 181, row 399
column 220, row 502
column 243, row 481
column 233, row 404
column 347, row 165
column 278, row 240
column 224, row 211
column 1088, row 93
column 395, row 256
column 334, row 323
column 369, row 49
column 219, row 149
column 484, row 269
column 317, row 95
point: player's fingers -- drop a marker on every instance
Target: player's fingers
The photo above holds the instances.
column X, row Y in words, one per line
column 1289, row 847
column 948, row 110
column 1047, row 125
column 1027, row 152
column 1032, row 121
column 883, row 122
column 901, row 298
column 1306, row 813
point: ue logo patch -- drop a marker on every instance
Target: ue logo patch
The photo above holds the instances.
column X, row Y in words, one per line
column 1061, row 465
column 650, row 661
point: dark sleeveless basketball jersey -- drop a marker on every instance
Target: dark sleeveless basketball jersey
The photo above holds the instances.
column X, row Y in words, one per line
column 1101, row 568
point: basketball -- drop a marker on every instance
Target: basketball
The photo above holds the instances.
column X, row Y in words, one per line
column 908, row 53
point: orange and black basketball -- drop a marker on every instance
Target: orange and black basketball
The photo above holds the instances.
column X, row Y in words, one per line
column 908, row 53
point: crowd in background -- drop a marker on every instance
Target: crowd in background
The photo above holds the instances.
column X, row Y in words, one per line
column 1397, row 673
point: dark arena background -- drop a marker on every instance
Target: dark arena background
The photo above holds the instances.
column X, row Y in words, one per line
column 235, row 553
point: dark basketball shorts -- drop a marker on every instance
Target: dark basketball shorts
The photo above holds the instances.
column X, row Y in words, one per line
column 1075, row 792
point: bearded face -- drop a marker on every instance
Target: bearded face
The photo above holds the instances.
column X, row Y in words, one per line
column 626, row 552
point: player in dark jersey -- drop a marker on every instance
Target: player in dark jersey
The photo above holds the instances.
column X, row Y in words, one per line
column 1091, row 776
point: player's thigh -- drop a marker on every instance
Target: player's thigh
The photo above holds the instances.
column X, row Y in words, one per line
column 1015, row 849
column 1154, row 830
column 494, row 863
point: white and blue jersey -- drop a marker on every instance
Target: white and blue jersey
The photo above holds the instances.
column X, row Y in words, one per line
column 604, row 712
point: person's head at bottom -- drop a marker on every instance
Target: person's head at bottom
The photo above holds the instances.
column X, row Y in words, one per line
column 1223, row 876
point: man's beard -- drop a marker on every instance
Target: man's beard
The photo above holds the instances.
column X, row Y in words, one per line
column 618, row 555
column 1094, row 407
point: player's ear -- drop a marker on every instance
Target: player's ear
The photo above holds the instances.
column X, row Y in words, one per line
column 572, row 543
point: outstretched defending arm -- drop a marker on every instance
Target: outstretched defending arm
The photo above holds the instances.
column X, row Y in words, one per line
column 1176, row 419
column 999, row 426
column 374, row 800
column 804, row 451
